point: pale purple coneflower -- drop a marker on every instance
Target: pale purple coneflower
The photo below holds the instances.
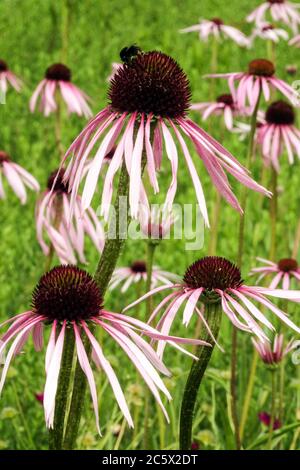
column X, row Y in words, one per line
column 218, row 29
column 65, row 234
column 279, row 134
column 17, row 178
column 282, row 272
column 58, row 79
column 7, row 76
column 280, row 10
column 259, row 78
column 148, row 100
column 269, row 32
column 295, row 41
column 215, row 279
column 223, row 106
column 138, row 272
column 273, row 354
column 68, row 299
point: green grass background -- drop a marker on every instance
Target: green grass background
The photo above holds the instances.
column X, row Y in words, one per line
column 31, row 41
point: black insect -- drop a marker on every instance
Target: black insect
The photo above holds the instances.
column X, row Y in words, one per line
column 127, row 54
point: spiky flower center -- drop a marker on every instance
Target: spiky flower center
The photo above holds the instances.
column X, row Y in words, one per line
column 4, row 157
column 67, row 293
column 3, row 66
column 213, row 272
column 280, row 113
column 287, row 264
column 218, row 22
column 151, row 82
column 226, row 99
column 291, row 69
column 261, row 68
column 276, row 1
column 139, row 266
column 267, row 27
column 56, row 178
column 58, row 72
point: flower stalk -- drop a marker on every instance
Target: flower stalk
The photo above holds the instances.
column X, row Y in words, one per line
column 213, row 314
column 57, row 433
column 241, row 237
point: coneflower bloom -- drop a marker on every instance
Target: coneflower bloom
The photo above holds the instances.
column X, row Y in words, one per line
column 156, row 221
column 7, row 76
column 282, row 272
column 269, row 32
column 265, row 418
column 64, row 233
column 279, row 134
column 149, row 94
column 58, row 79
column 138, row 272
column 295, row 41
column 270, row 354
column 216, row 27
column 260, row 77
column 67, row 298
column 17, row 178
column 280, row 10
column 215, row 279
column 224, row 105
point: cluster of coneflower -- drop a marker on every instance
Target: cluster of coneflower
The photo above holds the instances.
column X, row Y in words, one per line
column 144, row 123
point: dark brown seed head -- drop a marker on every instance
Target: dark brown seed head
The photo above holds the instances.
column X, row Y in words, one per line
column 287, row 264
column 276, row 1
column 152, row 83
column 139, row 266
column 4, row 157
column 213, row 272
column 57, row 178
column 280, row 113
column 267, row 27
column 67, row 293
column 3, row 66
column 58, row 72
column 261, row 68
column 226, row 99
column 217, row 21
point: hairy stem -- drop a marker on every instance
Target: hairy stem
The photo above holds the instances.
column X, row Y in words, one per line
column 213, row 312
column 57, row 433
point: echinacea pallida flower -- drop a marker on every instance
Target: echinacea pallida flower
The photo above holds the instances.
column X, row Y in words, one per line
column 273, row 354
column 224, row 105
column 17, row 178
column 148, row 102
column 215, row 279
column 58, row 79
column 7, row 76
column 66, row 234
column 280, row 10
column 68, row 298
column 279, row 134
column 137, row 272
column 216, row 28
column 259, row 78
column 282, row 272
column 269, row 32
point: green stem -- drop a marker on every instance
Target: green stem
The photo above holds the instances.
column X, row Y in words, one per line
column 151, row 246
column 248, row 394
column 241, row 236
column 56, row 434
column 66, row 9
column 213, row 312
column 105, row 268
column 273, row 408
column 273, row 213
